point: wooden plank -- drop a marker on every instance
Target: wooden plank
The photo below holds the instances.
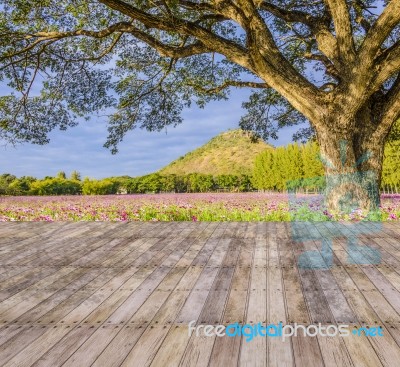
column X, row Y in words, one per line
column 340, row 309
column 198, row 351
column 194, row 304
column 334, row 351
column 226, row 349
column 8, row 331
column 386, row 348
column 38, row 347
column 380, row 305
column 254, row 353
column 105, row 301
column 87, row 353
column 65, row 347
column 216, row 300
column 279, row 352
column 361, row 351
column 172, row 348
column 19, row 341
column 384, row 287
column 49, row 303
column 119, row 347
column 297, row 310
column 144, row 351
column 306, row 351
column 137, row 298
column 64, row 308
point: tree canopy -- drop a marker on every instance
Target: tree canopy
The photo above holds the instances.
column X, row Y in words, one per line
column 141, row 62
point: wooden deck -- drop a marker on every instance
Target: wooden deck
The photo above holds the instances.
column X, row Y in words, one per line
column 122, row 294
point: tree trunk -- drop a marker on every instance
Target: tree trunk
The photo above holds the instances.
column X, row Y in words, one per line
column 352, row 158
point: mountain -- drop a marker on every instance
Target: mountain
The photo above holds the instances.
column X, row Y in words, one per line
column 231, row 152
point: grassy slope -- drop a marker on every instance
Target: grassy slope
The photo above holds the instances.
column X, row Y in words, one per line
column 231, row 152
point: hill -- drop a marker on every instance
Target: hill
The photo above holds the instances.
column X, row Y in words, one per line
column 231, row 152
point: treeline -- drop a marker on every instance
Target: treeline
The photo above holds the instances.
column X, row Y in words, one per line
column 294, row 167
column 152, row 183
column 298, row 167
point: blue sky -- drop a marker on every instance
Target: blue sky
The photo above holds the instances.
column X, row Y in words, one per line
column 81, row 148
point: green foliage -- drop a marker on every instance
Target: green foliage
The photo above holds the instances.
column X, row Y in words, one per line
column 55, row 186
column 61, row 175
column 394, row 135
column 194, row 182
column 391, row 166
column 99, row 187
column 21, row 186
column 75, row 175
column 5, row 181
column 291, row 167
column 197, row 182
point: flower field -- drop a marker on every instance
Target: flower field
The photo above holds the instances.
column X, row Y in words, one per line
column 180, row 207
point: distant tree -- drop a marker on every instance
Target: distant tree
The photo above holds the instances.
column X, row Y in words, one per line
column 5, row 181
column 99, row 187
column 55, row 186
column 263, row 175
column 168, row 183
column 295, row 162
column 21, row 186
column 150, row 183
column 205, row 183
column 280, row 168
column 7, row 178
column 61, row 175
column 228, row 182
column 181, row 184
column 391, row 166
column 75, row 175
column 132, row 185
column 244, row 183
column 312, row 165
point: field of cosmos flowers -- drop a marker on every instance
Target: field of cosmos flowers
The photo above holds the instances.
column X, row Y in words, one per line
column 182, row 207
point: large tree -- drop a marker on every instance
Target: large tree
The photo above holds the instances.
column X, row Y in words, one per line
column 332, row 63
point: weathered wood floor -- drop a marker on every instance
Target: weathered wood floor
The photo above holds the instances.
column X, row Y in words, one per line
column 122, row 294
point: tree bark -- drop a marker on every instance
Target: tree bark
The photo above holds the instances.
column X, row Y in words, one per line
column 353, row 158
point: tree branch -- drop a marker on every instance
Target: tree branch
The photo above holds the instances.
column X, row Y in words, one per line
column 123, row 27
column 290, row 16
column 263, row 55
column 226, row 47
column 231, row 83
column 379, row 32
column 360, row 19
column 391, row 109
column 388, row 64
column 343, row 29
column 319, row 27
column 274, row 68
column 40, row 37
column 330, row 68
